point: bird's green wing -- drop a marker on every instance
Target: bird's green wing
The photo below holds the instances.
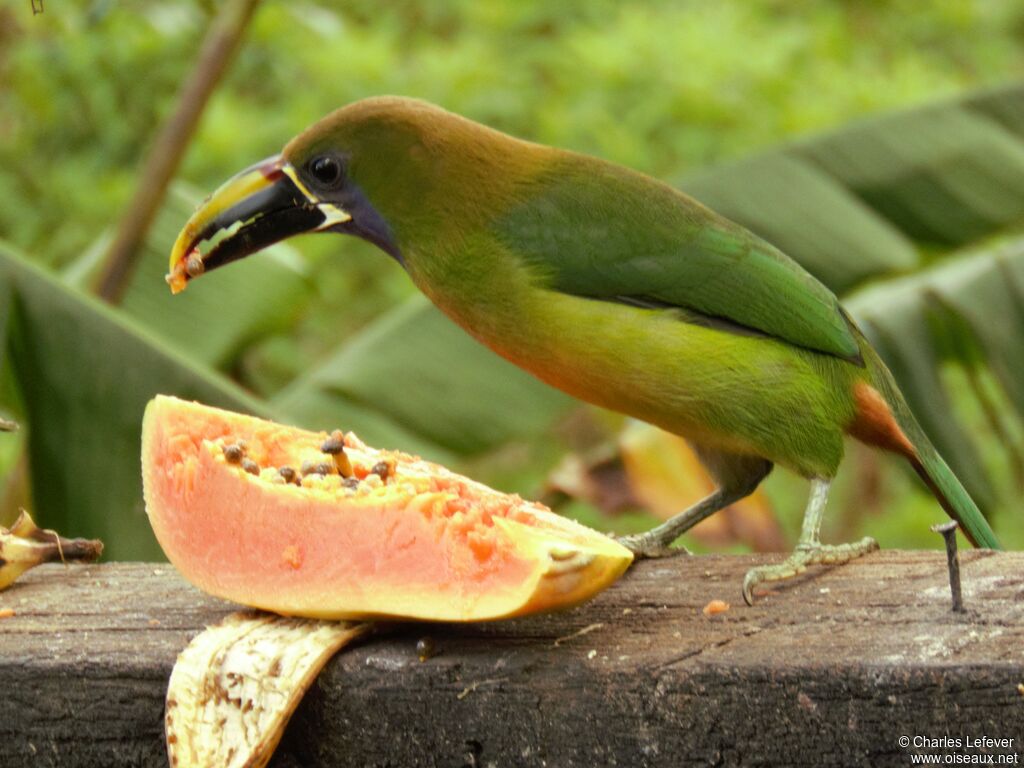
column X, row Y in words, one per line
column 596, row 230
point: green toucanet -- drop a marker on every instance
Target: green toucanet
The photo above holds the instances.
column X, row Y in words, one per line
column 603, row 282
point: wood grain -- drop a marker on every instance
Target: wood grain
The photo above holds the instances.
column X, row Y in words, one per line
column 829, row 670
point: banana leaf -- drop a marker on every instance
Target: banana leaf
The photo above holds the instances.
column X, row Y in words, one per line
column 234, row 309
column 968, row 311
column 417, row 368
column 885, row 195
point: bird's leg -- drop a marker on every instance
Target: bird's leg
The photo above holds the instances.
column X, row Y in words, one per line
column 737, row 477
column 656, row 542
column 810, row 550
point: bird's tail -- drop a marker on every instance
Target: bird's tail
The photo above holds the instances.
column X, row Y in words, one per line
column 926, row 460
column 954, row 498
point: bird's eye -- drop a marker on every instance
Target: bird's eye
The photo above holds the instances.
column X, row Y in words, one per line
column 326, row 169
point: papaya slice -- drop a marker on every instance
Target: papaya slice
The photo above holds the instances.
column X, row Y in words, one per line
column 320, row 525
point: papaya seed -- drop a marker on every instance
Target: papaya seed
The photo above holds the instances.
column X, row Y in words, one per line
column 233, row 453
column 250, row 466
column 287, row 473
column 382, row 469
column 308, row 468
column 334, row 443
column 332, row 446
column 324, row 468
column 351, row 482
column 425, row 648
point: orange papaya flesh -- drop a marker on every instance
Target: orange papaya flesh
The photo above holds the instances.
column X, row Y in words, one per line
column 410, row 539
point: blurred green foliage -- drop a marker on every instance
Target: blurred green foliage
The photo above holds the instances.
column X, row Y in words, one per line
column 664, row 87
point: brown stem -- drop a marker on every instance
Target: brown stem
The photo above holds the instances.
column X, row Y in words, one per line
column 59, row 549
column 221, row 42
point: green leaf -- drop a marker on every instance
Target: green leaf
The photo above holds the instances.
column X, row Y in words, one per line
column 915, row 322
column 986, row 290
column 84, row 377
column 233, row 309
column 944, row 175
column 863, row 201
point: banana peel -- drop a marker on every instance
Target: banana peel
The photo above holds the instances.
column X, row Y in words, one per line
column 237, row 683
column 25, row 545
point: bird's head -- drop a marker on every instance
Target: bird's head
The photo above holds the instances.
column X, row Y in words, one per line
column 390, row 170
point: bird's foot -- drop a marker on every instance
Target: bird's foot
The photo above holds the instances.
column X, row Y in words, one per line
column 644, row 545
column 802, row 557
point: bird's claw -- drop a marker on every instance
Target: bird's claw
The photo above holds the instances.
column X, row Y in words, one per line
column 804, row 556
column 643, row 547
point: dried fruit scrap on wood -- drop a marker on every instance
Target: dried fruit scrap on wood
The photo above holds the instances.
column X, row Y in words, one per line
column 25, row 545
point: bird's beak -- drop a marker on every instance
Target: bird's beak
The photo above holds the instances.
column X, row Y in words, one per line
column 259, row 207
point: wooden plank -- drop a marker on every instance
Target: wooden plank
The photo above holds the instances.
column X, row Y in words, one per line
column 830, row 670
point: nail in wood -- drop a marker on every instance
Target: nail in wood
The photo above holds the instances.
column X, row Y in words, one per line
column 948, row 531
